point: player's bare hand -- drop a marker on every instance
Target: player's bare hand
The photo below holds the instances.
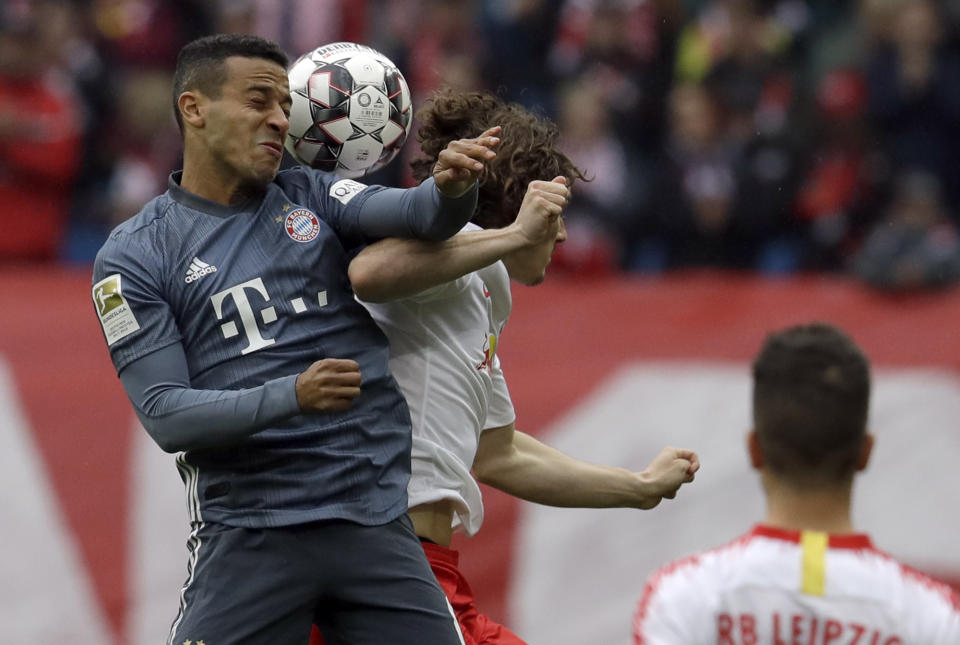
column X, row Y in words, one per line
column 672, row 468
column 461, row 162
column 329, row 385
column 540, row 211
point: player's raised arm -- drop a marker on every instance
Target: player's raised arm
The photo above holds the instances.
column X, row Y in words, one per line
column 397, row 268
column 459, row 165
column 519, row 465
column 438, row 207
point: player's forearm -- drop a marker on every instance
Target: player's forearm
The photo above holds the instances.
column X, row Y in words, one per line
column 538, row 473
column 179, row 417
column 422, row 212
column 396, row 268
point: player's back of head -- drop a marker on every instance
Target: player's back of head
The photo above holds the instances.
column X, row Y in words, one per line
column 811, row 391
column 527, row 149
column 201, row 63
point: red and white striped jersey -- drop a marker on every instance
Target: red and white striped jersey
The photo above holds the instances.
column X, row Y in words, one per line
column 777, row 587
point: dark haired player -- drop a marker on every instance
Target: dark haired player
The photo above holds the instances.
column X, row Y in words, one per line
column 803, row 575
column 445, row 332
column 230, row 320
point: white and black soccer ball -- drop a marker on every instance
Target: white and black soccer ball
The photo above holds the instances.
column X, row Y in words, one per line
column 351, row 109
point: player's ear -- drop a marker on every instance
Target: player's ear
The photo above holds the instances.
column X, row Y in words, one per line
column 866, row 448
column 754, row 451
column 190, row 104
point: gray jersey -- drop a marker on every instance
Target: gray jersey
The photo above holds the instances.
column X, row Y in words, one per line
column 254, row 292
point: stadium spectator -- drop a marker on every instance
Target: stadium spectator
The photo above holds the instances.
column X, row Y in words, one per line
column 40, row 136
column 122, row 55
column 768, row 170
column 914, row 82
column 842, row 35
column 290, row 468
column 146, row 143
column 604, row 219
column 803, row 574
column 843, row 183
column 298, row 26
column 518, row 35
column 917, row 245
column 694, row 190
column 444, row 30
column 149, row 33
column 762, row 62
column 625, row 49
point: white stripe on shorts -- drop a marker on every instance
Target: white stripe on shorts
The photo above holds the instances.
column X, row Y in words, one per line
column 456, row 623
column 193, row 544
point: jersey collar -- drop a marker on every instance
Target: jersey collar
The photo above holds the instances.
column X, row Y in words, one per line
column 836, row 540
column 197, row 203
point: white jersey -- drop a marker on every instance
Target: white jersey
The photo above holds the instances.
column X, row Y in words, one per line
column 443, row 345
column 776, row 587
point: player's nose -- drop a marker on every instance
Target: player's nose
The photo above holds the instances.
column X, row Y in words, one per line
column 278, row 120
column 561, row 231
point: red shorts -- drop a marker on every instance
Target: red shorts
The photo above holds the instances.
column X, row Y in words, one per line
column 477, row 628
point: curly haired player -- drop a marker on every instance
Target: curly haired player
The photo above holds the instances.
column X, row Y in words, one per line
column 443, row 306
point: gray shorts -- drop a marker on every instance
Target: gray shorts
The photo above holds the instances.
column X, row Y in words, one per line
column 359, row 584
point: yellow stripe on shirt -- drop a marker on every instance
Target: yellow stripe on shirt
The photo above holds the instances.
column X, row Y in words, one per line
column 814, row 565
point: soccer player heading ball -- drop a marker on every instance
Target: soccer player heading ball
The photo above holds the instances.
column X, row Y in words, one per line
column 444, row 334
column 229, row 317
column 803, row 575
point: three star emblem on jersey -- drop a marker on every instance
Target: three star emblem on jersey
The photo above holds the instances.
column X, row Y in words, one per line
column 197, row 269
column 302, row 225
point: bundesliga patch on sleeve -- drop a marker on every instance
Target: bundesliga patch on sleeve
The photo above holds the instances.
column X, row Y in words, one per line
column 115, row 315
column 345, row 190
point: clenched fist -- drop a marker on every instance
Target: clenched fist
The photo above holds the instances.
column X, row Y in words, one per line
column 329, row 385
column 542, row 206
column 672, row 468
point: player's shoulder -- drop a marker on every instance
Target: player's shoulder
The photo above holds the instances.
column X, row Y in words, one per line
column 680, row 594
column 301, row 183
column 708, row 567
column 918, row 586
column 153, row 212
column 138, row 233
column 930, row 607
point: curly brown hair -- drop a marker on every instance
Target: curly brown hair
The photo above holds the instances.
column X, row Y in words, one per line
column 526, row 152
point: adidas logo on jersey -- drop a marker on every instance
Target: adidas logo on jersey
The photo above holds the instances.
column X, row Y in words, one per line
column 198, row 268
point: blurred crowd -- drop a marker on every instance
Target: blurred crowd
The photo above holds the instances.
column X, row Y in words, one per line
column 765, row 135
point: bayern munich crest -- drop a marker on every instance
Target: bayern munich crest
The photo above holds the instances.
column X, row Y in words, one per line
column 302, row 225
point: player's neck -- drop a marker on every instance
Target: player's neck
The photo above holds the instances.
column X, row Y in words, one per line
column 811, row 509
column 202, row 177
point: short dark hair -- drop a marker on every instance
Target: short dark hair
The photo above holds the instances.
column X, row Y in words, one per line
column 811, row 392
column 201, row 63
column 527, row 149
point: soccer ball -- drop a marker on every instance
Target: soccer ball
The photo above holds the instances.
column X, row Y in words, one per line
column 351, row 109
